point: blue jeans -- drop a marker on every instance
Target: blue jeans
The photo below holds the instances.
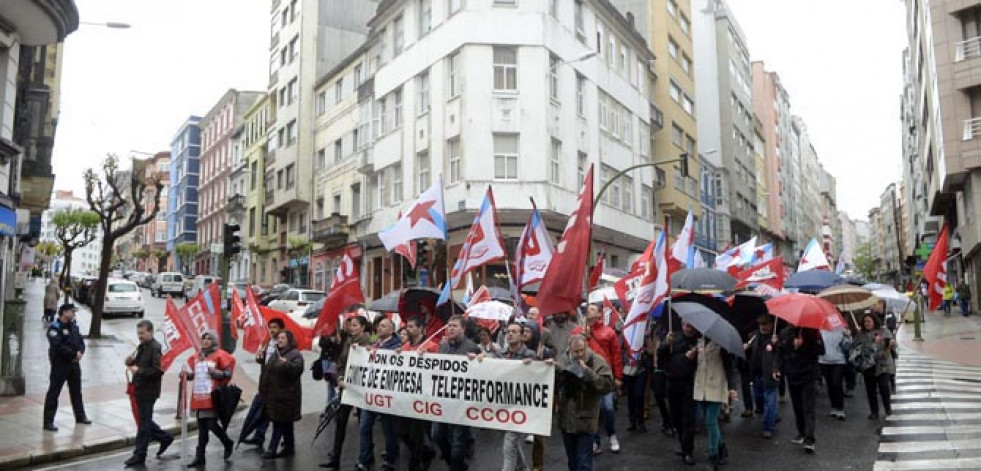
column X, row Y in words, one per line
column 578, row 451
column 366, row 446
column 965, row 306
column 766, row 401
column 711, row 410
column 609, row 417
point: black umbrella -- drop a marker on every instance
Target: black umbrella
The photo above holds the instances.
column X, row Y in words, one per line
column 387, row 303
column 412, row 298
column 812, row 281
column 330, row 411
column 712, row 326
column 501, row 294
column 225, row 400
column 255, row 417
column 702, row 280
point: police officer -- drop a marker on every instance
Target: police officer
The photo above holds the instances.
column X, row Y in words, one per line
column 65, row 353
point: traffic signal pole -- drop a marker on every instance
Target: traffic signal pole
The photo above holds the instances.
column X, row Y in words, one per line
column 231, row 247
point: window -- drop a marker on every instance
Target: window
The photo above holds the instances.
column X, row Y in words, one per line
column 425, row 17
column 553, row 77
column 454, row 6
column 626, row 124
column 673, row 7
column 282, row 97
column 290, row 176
column 356, row 201
column 644, row 133
column 688, row 104
column 677, row 135
column 382, row 126
column 364, row 113
column 422, row 171
column 384, row 194
column 292, row 90
column 320, row 208
column 321, row 161
column 685, row 24
column 338, row 90
column 506, row 2
column 628, row 194
column 686, row 64
column 599, row 39
column 397, row 109
column 253, row 175
column 302, row 218
column 453, row 68
column 321, row 104
column 674, row 91
column 553, row 166
column 380, row 53
column 580, row 95
column 580, row 26
column 422, row 84
column 505, row 156
column 398, row 38
column 505, row 69
column 553, row 8
column 455, row 160
column 291, row 132
column 646, row 197
column 338, row 150
column 294, row 49
column 603, row 116
column 672, row 48
column 622, row 66
column 581, row 159
column 611, row 51
column 358, row 75
column 397, row 183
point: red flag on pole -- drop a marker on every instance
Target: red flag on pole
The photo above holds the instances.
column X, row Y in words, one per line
column 175, row 338
column 340, row 298
column 236, row 314
column 613, row 315
column 254, row 330
column 597, row 271
column 561, row 288
column 935, row 270
column 304, row 339
column 770, row 273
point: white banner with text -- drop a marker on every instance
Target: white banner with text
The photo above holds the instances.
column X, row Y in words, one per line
column 497, row 394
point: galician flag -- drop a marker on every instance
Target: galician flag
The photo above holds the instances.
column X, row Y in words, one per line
column 813, row 257
column 534, row 251
column 686, row 239
column 654, row 288
column 762, row 254
column 425, row 219
column 736, row 256
column 483, row 244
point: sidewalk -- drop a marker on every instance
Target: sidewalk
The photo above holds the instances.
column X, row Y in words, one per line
column 955, row 338
column 24, row 443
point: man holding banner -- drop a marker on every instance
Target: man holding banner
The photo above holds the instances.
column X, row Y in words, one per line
column 584, row 380
column 454, row 441
column 514, row 454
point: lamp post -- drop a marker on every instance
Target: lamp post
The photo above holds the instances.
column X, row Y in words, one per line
column 107, row 24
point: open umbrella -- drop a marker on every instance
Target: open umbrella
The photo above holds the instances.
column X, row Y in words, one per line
column 712, row 326
column 500, row 294
column 748, row 305
column 877, row 286
column 703, row 280
column 849, row 297
column 895, row 301
column 253, row 418
column 386, row 303
column 744, row 323
column 806, row 310
column 812, row 281
column 412, row 298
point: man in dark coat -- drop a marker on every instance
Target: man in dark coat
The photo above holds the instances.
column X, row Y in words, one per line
column 761, row 351
column 144, row 364
column 454, row 441
column 678, row 355
column 797, row 359
column 266, row 350
column 387, row 340
column 65, row 351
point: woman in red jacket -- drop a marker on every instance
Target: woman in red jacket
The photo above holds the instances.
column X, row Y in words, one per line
column 210, row 368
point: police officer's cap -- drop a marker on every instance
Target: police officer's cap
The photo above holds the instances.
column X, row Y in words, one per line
column 66, row 307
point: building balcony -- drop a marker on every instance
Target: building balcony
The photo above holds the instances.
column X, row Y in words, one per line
column 657, row 119
column 972, row 129
column 967, row 49
column 332, row 231
column 274, row 41
column 281, row 201
column 41, row 22
column 236, row 203
column 366, row 162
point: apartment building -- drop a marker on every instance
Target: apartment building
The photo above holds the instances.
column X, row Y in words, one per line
column 723, row 81
column 666, row 25
column 85, row 259
column 182, row 206
column 152, row 236
column 256, row 239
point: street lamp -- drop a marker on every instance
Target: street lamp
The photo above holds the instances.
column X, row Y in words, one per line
column 107, row 24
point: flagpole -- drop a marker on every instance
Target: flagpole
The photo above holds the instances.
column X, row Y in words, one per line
column 446, row 245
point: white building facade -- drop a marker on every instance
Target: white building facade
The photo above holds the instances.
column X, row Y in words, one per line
column 85, row 259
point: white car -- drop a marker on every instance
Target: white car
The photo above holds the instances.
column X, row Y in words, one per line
column 200, row 283
column 295, row 301
column 123, row 297
column 169, row 283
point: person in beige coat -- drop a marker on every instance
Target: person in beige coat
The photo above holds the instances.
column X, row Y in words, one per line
column 51, row 294
column 714, row 386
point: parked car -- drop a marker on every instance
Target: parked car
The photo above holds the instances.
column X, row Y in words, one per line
column 86, row 288
column 146, row 281
column 168, row 283
column 273, row 294
column 199, row 283
column 123, row 297
column 296, row 300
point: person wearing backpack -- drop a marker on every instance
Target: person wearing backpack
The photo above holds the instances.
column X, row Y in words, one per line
column 874, row 359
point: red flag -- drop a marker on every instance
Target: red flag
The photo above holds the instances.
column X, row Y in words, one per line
column 339, row 300
column 626, row 288
column 561, row 289
column 348, row 270
column 770, row 273
column 201, row 314
column 236, row 314
column 597, row 271
column 304, row 339
column 614, row 315
column 253, row 324
column 175, row 338
column 935, row 270
column 407, row 249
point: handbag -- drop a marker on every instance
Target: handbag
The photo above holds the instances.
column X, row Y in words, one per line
column 862, row 355
column 317, row 370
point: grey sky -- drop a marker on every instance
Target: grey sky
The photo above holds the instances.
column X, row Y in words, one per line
column 841, row 63
column 130, row 89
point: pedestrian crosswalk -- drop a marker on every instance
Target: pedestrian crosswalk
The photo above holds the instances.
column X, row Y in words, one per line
column 936, row 416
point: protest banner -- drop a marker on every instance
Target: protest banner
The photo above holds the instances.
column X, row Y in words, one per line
column 496, row 394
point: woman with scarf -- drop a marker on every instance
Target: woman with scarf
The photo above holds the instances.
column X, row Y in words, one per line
column 280, row 386
column 875, row 338
column 210, row 368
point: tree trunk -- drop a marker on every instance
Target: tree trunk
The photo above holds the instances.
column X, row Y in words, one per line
column 66, row 274
column 99, row 297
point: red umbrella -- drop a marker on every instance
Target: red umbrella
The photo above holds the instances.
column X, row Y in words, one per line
column 806, row 310
column 131, row 392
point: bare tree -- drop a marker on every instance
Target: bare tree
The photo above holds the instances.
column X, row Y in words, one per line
column 121, row 208
column 74, row 228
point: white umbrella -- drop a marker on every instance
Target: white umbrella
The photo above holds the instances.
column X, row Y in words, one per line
column 895, row 301
column 493, row 310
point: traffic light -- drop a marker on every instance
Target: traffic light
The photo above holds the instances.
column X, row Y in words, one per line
column 233, row 242
column 683, row 163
